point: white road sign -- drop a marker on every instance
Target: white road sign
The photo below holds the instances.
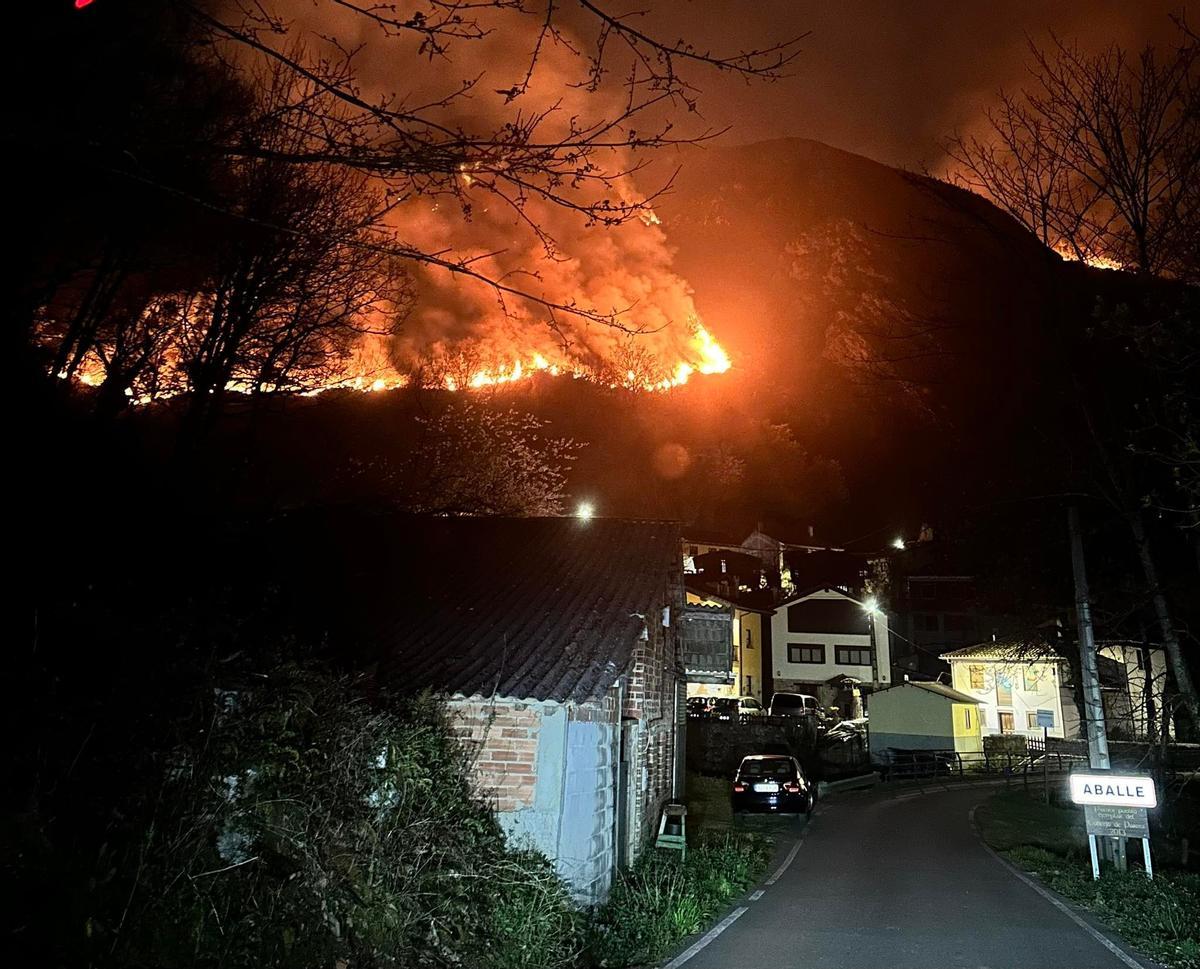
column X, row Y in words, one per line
column 1115, row 790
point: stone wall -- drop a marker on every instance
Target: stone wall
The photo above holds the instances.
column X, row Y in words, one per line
column 717, row 746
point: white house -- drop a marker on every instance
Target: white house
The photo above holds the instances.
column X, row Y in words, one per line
column 1023, row 687
column 825, row 642
column 1018, row 686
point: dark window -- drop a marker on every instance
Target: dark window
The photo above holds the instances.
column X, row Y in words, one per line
column 958, row 622
column 748, row 635
column 925, row 622
column 775, row 768
column 853, row 656
column 922, row 590
column 806, row 653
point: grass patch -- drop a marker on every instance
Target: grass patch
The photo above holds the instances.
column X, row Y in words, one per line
column 1159, row 917
column 662, row 900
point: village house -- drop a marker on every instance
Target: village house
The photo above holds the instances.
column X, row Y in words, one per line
column 923, row 716
column 1026, row 688
column 828, row 643
column 555, row 641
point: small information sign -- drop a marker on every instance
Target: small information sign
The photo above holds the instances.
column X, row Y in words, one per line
column 1045, row 718
column 1116, row 822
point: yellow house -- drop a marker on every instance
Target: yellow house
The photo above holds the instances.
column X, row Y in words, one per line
column 923, row 716
column 746, row 648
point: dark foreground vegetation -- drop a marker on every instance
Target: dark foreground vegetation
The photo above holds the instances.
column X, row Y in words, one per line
column 1159, row 917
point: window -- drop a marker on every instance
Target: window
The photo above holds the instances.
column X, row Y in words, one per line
column 747, row 638
column 1006, row 722
column 976, row 674
column 806, row 653
column 1031, row 718
column 852, row 656
column 1004, row 690
column 1032, row 680
column 967, row 717
column 925, row 622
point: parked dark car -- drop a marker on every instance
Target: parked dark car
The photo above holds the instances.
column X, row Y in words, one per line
column 697, row 707
column 773, row 783
column 724, row 708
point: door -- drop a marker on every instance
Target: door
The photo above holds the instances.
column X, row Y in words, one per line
column 1006, row 721
column 626, row 805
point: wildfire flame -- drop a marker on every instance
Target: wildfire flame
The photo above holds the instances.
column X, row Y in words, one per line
column 1065, row 250
column 369, row 372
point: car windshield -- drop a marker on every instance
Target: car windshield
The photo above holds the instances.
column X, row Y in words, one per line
column 789, row 702
column 775, row 768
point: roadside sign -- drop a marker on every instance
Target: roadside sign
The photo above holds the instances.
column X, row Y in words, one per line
column 1114, row 806
column 1045, row 718
column 1113, row 790
column 1116, row 822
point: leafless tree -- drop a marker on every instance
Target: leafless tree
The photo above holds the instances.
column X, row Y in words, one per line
column 501, row 138
column 303, row 273
column 477, row 460
column 1099, row 156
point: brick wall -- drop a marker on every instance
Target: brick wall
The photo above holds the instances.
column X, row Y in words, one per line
column 503, row 736
column 651, row 699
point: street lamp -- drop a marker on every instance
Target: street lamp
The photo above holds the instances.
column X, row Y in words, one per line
column 585, row 510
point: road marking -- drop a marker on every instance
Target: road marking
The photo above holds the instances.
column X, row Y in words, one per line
column 786, row 862
column 711, row 934
column 1111, row 946
column 755, row 896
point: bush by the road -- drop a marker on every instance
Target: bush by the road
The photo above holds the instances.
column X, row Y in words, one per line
column 292, row 823
column 661, row 899
column 1159, row 917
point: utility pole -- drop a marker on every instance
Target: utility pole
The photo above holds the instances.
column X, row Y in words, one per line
column 1093, row 705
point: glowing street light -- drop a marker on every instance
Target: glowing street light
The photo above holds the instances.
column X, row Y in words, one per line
column 585, row 510
column 898, row 543
column 871, row 605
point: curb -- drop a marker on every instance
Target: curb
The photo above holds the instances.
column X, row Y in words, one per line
column 849, row 784
column 1081, row 917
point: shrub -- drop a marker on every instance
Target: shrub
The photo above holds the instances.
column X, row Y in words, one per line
column 661, row 899
column 306, row 827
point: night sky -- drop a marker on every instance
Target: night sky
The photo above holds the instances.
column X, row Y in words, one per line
column 889, row 80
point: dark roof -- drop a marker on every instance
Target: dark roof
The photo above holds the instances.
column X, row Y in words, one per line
column 757, row 600
column 1012, row 651
column 527, row 608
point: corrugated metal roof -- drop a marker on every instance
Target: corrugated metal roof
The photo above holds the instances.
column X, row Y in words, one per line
column 528, row 608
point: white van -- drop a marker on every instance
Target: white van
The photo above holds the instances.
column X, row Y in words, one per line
column 793, row 705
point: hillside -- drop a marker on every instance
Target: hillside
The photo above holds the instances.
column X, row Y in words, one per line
column 871, row 315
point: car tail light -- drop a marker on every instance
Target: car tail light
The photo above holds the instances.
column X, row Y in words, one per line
column 739, row 788
column 792, row 788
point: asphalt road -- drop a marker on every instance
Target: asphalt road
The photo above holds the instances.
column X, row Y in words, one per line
column 889, row 882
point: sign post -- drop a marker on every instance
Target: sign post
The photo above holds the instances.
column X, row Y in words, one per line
column 1115, row 806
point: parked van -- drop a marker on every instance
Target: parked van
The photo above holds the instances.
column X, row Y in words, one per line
column 793, row 705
